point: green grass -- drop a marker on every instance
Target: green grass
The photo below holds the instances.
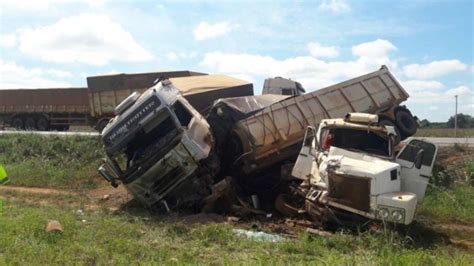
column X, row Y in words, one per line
column 444, row 132
column 133, row 238
column 449, row 205
column 51, row 161
column 122, row 239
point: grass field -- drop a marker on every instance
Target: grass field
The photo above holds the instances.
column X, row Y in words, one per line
column 98, row 237
column 445, row 132
column 442, row 234
column 51, row 161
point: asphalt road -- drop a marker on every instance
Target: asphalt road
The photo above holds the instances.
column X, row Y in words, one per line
column 438, row 141
column 446, row 141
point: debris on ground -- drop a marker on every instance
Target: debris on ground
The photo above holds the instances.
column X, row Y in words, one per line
column 318, row 232
column 53, row 226
column 261, row 236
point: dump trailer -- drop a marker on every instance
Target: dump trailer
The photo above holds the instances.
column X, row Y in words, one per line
column 57, row 109
column 274, row 134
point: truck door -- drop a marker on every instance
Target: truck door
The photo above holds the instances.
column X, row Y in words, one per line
column 415, row 175
column 306, row 161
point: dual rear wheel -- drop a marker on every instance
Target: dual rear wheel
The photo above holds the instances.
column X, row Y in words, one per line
column 40, row 123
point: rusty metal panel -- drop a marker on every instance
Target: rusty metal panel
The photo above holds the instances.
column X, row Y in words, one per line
column 45, row 100
column 352, row 191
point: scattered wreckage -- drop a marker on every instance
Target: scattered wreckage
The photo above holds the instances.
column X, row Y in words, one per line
column 170, row 156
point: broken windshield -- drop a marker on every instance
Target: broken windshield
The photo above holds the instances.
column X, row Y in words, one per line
column 356, row 139
column 149, row 144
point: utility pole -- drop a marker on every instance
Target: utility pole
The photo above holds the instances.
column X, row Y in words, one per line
column 456, row 118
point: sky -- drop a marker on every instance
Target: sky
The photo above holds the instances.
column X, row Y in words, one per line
column 427, row 45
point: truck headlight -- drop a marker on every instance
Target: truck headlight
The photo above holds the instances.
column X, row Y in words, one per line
column 383, row 213
column 397, row 216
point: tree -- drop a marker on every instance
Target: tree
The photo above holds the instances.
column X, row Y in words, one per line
column 425, row 123
column 464, row 121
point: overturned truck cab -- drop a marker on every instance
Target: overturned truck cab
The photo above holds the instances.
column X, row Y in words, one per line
column 156, row 146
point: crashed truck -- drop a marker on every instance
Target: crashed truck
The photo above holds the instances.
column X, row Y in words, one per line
column 168, row 155
column 351, row 167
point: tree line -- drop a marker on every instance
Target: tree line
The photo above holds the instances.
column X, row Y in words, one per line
column 464, row 121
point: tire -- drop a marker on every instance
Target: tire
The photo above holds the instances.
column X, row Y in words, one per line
column 17, row 123
column 42, row 124
column 282, row 205
column 386, row 122
column 406, row 123
column 30, row 123
column 63, row 128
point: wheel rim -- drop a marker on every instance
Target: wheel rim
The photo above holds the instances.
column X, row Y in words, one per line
column 17, row 123
column 42, row 124
column 30, row 124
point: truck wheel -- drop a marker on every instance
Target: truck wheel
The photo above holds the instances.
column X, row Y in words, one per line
column 282, row 205
column 17, row 123
column 406, row 123
column 42, row 124
column 30, row 123
column 386, row 122
column 63, row 128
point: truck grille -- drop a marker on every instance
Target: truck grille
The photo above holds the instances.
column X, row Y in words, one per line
column 161, row 185
column 352, row 191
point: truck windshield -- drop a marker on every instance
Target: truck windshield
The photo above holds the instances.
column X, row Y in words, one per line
column 149, row 144
column 355, row 139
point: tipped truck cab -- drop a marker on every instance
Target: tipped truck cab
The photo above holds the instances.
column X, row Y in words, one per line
column 351, row 165
column 154, row 144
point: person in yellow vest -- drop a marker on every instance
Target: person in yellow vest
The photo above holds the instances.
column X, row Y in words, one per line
column 3, row 175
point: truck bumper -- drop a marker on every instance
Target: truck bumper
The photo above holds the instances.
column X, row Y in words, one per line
column 390, row 203
column 164, row 176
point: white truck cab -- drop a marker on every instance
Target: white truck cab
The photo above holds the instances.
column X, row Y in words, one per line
column 351, row 164
column 154, row 144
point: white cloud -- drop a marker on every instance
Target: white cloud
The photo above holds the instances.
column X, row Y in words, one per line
column 8, row 40
column 312, row 72
column 85, row 38
column 176, row 56
column 15, row 76
column 422, row 85
column 318, row 50
column 435, row 97
column 206, row 30
column 460, row 91
column 377, row 48
column 334, row 6
column 43, row 5
column 434, row 69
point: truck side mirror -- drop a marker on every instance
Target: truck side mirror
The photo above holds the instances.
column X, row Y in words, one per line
column 419, row 159
column 107, row 176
